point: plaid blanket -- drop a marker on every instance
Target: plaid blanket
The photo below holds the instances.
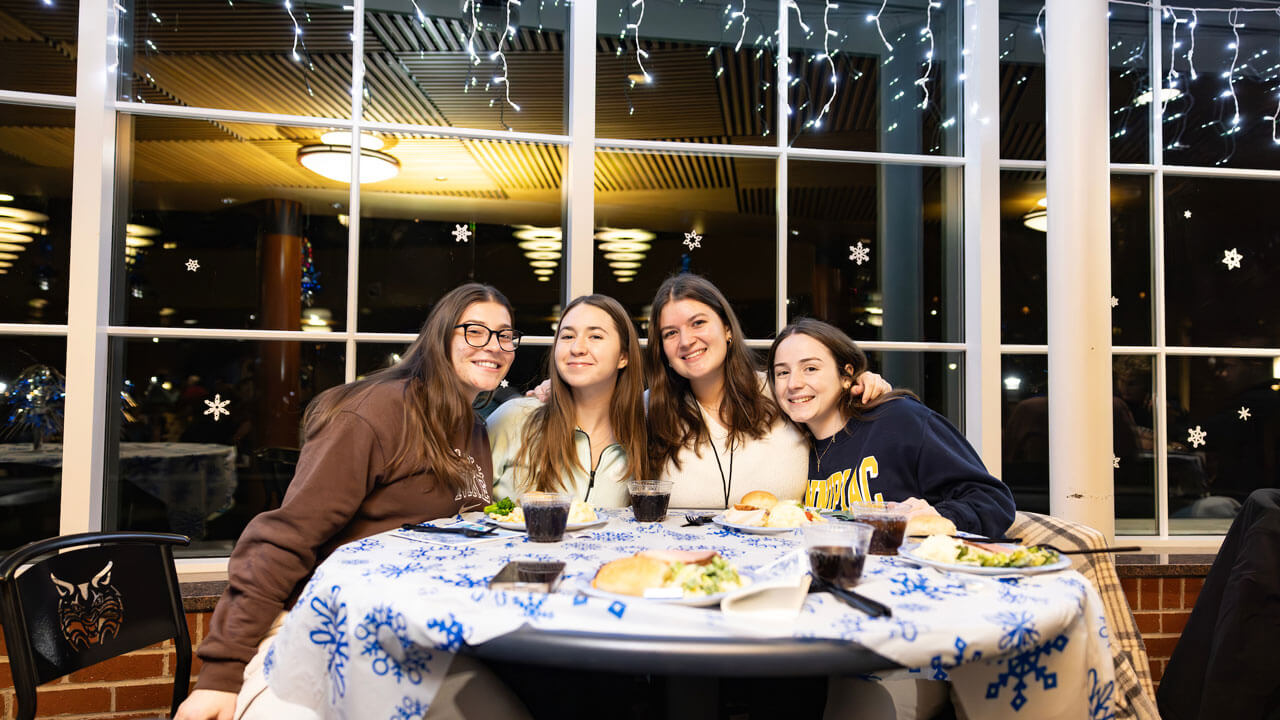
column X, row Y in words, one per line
column 1134, row 695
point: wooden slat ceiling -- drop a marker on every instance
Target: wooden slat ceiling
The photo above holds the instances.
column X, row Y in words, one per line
column 211, row 53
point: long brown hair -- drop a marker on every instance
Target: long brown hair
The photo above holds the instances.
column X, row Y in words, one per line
column 847, row 355
column 436, row 409
column 547, row 449
column 675, row 421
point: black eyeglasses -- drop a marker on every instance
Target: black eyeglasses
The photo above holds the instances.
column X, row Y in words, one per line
column 478, row 335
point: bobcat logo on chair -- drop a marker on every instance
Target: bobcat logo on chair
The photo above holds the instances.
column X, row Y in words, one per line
column 91, row 612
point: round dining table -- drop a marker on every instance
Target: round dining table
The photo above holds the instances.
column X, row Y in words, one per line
column 374, row 630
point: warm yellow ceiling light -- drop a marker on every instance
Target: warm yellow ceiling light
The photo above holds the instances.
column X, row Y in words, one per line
column 332, row 158
column 624, row 246
column 5, row 264
column 624, row 265
column 542, row 255
column 543, row 263
column 137, row 236
column 29, row 216
column 8, row 256
column 14, row 238
column 1038, row 218
column 623, row 256
column 543, row 271
column 535, row 233
column 10, row 247
column 13, row 226
column 6, row 197
column 624, row 273
column 636, row 234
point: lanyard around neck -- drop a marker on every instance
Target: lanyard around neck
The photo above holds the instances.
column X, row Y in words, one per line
column 725, row 484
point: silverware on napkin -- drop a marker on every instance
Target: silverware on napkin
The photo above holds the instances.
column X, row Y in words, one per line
column 852, row 599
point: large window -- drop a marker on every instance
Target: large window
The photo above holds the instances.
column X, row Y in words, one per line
column 808, row 157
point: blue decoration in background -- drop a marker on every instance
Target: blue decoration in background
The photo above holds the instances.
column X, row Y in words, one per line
column 35, row 403
column 310, row 277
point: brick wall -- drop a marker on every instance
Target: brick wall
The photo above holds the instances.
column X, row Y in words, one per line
column 136, row 685
column 1161, row 606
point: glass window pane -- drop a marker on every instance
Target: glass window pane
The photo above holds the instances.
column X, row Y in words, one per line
column 291, row 58
column 663, row 213
column 200, row 441
column 870, row 76
column 35, row 213
column 710, row 78
column 936, row 377
column 1219, row 87
column 418, row 68
column 1022, row 98
column 1025, row 380
column 462, row 210
column 1022, row 81
column 1221, row 262
column 875, row 249
column 1023, row 224
column 1224, row 421
column 31, row 415
column 38, row 46
column 229, row 232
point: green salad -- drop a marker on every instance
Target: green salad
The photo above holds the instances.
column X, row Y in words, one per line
column 505, row 506
column 714, row 577
column 945, row 549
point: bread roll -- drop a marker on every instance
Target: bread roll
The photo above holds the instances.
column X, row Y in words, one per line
column 630, row 575
column 762, row 499
column 930, row 524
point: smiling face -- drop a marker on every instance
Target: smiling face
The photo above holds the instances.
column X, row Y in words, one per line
column 695, row 340
column 808, row 385
column 481, row 369
column 588, row 350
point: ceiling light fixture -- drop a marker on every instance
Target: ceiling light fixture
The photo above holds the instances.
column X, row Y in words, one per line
column 542, row 255
column 332, row 158
column 624, row 265
column 1038, row 218
column 10, row 247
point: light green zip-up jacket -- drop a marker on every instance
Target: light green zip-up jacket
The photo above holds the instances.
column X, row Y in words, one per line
column 604, row 487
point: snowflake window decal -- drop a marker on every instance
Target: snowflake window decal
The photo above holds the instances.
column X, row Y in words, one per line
column 692, row 240
column 1243, row 412
column 192, row 264
column 859, row 253
column 217, row 407
column 1115, row 462
column 1115, row 301
column 1231, row 258
column 461, row 233
column 1196, row 436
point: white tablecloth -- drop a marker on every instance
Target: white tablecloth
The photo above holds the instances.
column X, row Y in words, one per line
column 374, row 630
column 194, row 480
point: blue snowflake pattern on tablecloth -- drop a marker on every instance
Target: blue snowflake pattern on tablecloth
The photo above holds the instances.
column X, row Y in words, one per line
column 581, row 545
column 617, row 608
column 939, row 665
column 1014, row 594
column 1103, row 632
column 440, row 552
column 1101, row 702
column 903, row 628
column 912, row 607
column 910, row 583
column 409, row 709
column 331, row 635
column 1019, row 630
column 384, row 625
column 1027, row 665
column 531, row 605
column 613, row 536
column 453, row 632
column 393, row 571
column 361, row 546
column 1078, row 586
column 269, row 662
column 463, row 580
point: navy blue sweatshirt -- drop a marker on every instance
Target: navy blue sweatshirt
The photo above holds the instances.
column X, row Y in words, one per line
column 903, row 449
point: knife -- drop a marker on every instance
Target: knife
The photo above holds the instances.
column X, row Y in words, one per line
column 851, row 598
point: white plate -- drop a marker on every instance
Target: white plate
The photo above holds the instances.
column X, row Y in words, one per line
column 571, row 527
column 753, row 529
column 584, row 585
column 907, row 551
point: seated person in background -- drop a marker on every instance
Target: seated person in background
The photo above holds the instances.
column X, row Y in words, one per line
column 893, row 448
column 589, row 437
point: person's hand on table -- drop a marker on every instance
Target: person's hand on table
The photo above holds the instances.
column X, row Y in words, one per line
column 543, row 391
column 207, row 705
column 870, row 386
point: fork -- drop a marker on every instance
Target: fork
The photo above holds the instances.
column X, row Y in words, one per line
column 692, row 520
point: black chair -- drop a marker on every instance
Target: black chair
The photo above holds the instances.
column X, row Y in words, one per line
column 85, row 598
column 279, row 463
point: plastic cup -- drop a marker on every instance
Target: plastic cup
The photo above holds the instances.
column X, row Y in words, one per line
column 545, row 515
column 837, row 551
column 649, row 499
column 889, row 522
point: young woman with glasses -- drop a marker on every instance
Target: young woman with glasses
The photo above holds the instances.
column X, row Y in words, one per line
column 589, row 436
column 713, row 429
column 401, row 445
